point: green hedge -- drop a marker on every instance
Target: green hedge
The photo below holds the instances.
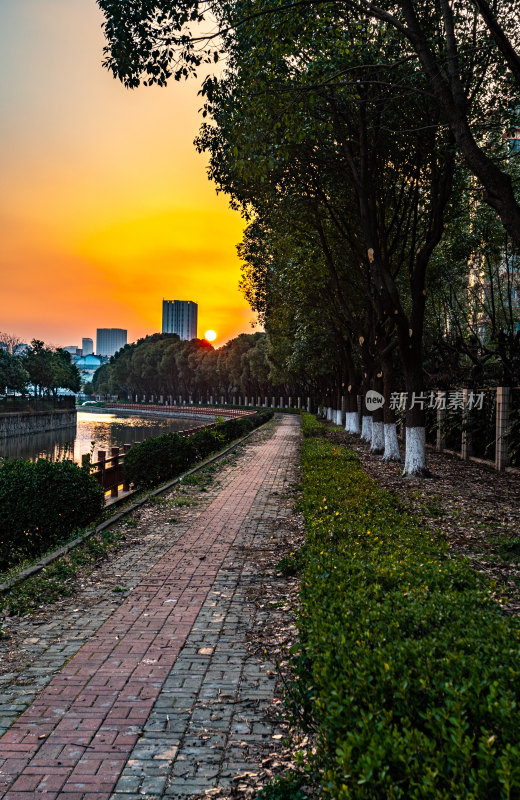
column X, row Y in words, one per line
column 41, row 504
column 162, row 458
column 407, row 669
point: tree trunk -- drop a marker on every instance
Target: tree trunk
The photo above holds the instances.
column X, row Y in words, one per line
column 377, row 445
column 366, row 425
column 391, row 442
column 415, row 450
column 352, row 416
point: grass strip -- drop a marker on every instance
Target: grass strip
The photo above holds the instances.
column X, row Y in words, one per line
column 406, row 670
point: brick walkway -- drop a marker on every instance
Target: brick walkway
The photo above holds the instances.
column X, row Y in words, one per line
column 161, row 701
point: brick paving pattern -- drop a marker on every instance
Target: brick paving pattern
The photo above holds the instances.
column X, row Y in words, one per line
column 161, row 701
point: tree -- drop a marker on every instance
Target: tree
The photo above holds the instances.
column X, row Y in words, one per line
column 50, row 370
column 65, row 373
column 11, row 340
column 468, row 51
column 13, row 376
column 38, row 363
column 287, row 136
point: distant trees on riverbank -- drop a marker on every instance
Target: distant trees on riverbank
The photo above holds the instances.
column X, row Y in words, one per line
column 44, row 368
column 163, row 364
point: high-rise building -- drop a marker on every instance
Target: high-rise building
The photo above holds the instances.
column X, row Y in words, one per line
column 110, row 340
column 180, row 317
column 87, row 347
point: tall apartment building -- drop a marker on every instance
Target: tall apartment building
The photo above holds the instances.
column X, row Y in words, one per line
column 180, row 317
column 110, row 340
column 87, row 346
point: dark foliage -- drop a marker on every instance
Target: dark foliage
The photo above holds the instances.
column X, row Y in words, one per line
column 161, row 458
column 41, row 504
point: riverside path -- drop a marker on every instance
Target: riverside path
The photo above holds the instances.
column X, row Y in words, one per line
column 153, row 695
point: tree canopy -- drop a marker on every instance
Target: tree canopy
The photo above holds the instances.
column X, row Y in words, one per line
column 369, row 146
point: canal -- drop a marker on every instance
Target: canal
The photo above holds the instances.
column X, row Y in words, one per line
column 94, row 430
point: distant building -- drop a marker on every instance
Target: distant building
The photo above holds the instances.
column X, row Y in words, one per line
column 180, row 317
column 4, row 346
column 20, row 349
column 87, row 366
column 110, row 340
column 74, row 351
column 87, row 347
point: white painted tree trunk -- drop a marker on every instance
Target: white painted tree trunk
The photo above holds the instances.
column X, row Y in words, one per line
column 352, row 422
column 377, row 444
column 338, row 416
column 391, row 443
column 329, row 413
column 415, row 456
column 366, row 429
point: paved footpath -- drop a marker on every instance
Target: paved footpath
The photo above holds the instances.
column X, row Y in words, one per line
column 161, row 700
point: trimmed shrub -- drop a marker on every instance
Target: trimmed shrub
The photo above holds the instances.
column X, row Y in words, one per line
column 407, row 669
column 312, row 426
column 41, row 504
column 162, row 458
column 157, row 459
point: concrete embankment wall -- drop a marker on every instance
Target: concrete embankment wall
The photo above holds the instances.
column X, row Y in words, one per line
column 36, row 422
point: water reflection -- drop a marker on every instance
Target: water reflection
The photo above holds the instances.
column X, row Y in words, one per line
column 105, row 430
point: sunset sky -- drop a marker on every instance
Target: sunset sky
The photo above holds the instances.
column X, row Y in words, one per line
column 105, row 207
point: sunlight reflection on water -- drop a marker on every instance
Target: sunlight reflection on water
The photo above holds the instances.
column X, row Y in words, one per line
column 106, row 430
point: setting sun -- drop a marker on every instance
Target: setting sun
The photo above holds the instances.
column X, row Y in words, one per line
column 210, row 336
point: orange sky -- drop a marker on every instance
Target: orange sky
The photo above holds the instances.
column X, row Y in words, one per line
column 105, row 207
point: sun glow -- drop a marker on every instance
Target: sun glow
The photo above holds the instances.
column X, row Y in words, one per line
column 210, row 336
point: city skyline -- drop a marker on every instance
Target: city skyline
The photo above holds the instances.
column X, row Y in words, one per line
column 105, row 201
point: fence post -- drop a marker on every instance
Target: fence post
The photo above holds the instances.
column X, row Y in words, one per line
column 114, row 490
column 101, row 466
column 440, row 444
column 502, row 425
column 126, row 485
column 465, row 445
